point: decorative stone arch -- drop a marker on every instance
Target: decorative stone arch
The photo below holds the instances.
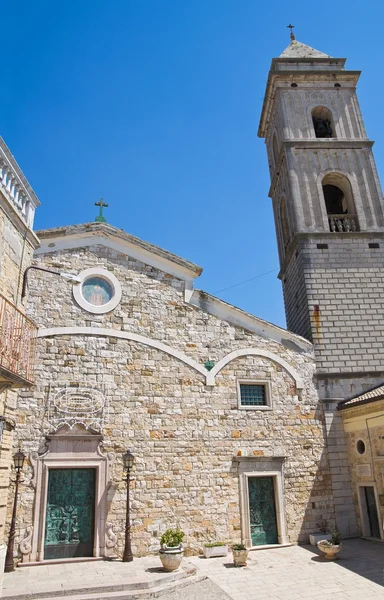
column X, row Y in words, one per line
column 352, row 202
column 125, row 335
column 209, row 376
column 68, row 448
column 254, row 352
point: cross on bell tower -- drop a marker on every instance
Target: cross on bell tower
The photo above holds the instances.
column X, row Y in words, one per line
column 292, row 35
column 100, row 217
column 329, row 216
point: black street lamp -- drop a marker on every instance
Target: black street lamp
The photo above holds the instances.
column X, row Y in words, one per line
column 69, row 276
column 128, row 460
column 18, row 460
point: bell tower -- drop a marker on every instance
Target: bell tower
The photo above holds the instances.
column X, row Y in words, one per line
column 329, row 216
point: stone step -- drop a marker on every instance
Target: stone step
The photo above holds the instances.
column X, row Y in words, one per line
column 138, row 594
column 118, row 589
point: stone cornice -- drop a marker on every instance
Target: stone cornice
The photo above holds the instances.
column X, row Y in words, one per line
column 329, row 143
column 91, row 234
column 299, row 76
column 240, row 318
column 371, row 406
column 330, row 235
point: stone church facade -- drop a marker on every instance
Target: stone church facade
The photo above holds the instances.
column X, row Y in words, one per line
column 234, row 422
column 135, row 376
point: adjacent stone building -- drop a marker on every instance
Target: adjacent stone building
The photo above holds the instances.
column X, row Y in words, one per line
column 363, row 420
column 17, row 333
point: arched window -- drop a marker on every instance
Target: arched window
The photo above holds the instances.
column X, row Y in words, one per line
column 323, row 122
column 285, row 233
column 339, row 203
column 275, row 149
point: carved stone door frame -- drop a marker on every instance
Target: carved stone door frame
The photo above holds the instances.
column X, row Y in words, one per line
column 70, row 449
column 261, row 467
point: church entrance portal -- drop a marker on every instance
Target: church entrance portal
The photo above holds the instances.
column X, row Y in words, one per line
column 70, row 514
column 262, row 511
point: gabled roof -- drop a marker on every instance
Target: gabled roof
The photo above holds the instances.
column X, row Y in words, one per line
column 297, row 49
column 91, row 234
column 377, row 393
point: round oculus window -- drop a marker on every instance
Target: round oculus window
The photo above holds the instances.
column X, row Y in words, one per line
column 360, row 446
column 97, row 291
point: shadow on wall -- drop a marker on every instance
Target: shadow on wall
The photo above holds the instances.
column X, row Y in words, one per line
column 331, row 500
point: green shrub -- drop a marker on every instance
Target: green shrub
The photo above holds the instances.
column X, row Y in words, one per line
column 172, row 537
column 238, row 547
column 214, row 544
column 336, row 538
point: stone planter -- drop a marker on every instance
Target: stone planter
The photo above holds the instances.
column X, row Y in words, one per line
column 330, row 550
column 240, row 557
column 171, row 557
column 319, row 537
column 215, row 551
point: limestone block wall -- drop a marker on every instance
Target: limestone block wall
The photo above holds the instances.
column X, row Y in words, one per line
column 16, row 253
column 366, row 424
column 184, row 433
column 345, row 281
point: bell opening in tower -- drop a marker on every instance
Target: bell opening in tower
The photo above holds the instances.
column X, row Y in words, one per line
column 323, row 122
column 339, row 203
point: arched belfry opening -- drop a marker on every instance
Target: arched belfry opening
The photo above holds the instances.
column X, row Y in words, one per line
column 323, row 122
column 339, row 203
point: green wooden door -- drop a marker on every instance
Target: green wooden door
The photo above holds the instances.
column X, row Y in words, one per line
column 262, row 511
column 70, row 513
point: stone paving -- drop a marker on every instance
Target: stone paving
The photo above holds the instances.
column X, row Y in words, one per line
column 291, row 573
column 299, row 572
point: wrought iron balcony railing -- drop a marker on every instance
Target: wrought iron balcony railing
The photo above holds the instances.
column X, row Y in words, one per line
column 342, row 223
column 17, row 345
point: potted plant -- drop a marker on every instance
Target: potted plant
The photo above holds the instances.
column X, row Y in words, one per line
column 214, row 549
column 323, row 534
column 332, row 547
column 172, row 550
column 240, row 555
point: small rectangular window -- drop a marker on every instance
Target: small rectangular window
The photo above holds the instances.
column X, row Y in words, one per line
column 253, row 394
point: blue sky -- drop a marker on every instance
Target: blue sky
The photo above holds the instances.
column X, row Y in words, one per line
column 154, row 105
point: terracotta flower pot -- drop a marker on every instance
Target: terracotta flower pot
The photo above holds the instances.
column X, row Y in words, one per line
column 330, row 550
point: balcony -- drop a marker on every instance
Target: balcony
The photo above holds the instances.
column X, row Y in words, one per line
column 17, row 346
column 342, row 223
column 15, row 188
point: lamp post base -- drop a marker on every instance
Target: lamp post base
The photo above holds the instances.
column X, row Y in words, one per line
column 128, row 558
